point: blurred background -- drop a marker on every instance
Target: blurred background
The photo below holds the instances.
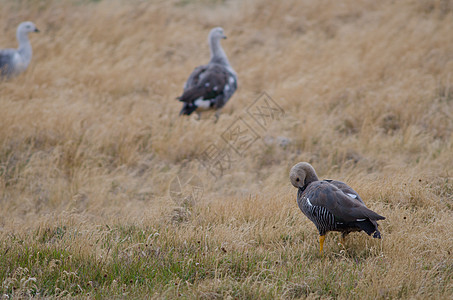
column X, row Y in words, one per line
column 90, row 133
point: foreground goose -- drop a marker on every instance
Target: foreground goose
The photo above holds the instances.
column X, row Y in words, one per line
column 331, row 205
column 15, row 61
column 210, row 86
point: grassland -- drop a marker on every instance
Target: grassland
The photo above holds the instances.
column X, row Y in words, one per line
column 90, row 140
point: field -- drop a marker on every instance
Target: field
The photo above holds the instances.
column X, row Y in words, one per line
column 92, row 148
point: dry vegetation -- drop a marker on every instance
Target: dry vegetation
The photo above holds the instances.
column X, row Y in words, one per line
column 90, row 140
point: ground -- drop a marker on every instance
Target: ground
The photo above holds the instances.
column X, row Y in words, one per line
column 106, row 192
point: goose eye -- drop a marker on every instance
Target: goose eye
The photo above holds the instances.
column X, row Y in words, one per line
column 297, row 179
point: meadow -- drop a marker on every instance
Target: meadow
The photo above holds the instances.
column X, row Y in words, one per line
column 91, row 146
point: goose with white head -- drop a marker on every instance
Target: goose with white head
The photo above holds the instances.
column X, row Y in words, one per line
column 331, row 205
column 16, row 61
column 210, row 86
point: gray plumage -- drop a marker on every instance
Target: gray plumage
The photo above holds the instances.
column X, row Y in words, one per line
column 210, row 86
column 332, row 205
column 15, row 61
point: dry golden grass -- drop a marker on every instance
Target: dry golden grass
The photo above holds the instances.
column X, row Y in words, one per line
column 90, row 140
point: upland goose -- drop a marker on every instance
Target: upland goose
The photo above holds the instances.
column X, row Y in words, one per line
column 210, row 86
column 15, row 61
column 331, row 205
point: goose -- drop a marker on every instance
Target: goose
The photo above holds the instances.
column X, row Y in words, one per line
column 16, row 61
column 210, row 86
column 331, row 205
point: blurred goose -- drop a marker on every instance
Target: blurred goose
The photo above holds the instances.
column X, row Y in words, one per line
column 331, row 205
column 210, row 86
column 15, row 61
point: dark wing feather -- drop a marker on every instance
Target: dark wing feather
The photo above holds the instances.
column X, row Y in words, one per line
column 207, row 83
column 6, row 56
column 369, row 226
column 345, row 189
column 195, row 77
column 343, row 207
column 187, row 109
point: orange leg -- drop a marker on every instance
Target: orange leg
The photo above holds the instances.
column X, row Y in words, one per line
column 321, row 243
column 342, row 240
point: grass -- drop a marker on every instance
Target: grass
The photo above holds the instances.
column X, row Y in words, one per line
column 90, row 140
